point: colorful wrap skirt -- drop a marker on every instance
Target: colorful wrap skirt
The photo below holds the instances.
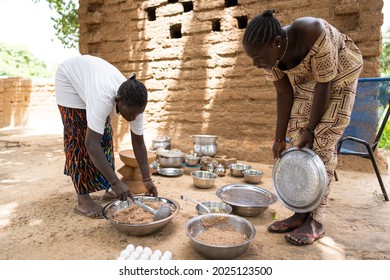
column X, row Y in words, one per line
column 78, row 165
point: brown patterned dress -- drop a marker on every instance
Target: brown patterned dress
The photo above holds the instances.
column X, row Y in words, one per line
column 334, row 57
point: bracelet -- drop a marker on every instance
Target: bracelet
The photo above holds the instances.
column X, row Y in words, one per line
column 147, row 179
column 280, row 140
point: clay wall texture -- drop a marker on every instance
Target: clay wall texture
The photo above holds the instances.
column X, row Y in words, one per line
column 190, row 57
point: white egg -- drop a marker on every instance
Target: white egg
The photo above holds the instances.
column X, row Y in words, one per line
column 144, row 256
column 124, row 254
column 131, row 258
column 165, row 258
column 135, row 255
column 148, row 251
column 130, row 248
column 157, row 253
column 154, row 257
column 120, row 258
column 139, row 249
column 167, row 254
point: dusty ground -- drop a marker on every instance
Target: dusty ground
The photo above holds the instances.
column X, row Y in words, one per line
column 37, row 222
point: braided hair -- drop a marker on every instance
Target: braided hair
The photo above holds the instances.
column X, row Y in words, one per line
column 262, row 30
column 133, row 92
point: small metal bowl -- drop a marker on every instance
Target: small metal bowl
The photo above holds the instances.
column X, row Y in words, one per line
column 139, row 229
column 215, row 207
column 199, row 224
column 203, row 179
column 191, row 160
column 245, row 199
column 237, row 168
column 252, row 176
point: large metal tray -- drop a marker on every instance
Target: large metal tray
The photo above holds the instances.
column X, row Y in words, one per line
column 246, row 195
column 300, row 179
column 170, row 172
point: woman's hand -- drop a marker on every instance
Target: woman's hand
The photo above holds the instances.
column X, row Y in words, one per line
column 307, row 139
column 151, row 188
column 122, row 191
column 278, row 148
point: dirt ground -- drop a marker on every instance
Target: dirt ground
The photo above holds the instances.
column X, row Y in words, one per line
column 37, row 221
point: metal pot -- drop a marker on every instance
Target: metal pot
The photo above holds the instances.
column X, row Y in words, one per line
column 205, row 145
column 161, row 142
column 169, row 158
column 169, row 161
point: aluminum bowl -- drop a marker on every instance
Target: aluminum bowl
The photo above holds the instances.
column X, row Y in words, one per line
column 252, row 176
column 237, row 168
column 138, row 229
column 215, row 207
column 203, row 179
column 192, row 160
column 245, row 199
column 196, row 225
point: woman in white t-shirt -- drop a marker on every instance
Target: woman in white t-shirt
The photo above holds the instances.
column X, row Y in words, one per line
column 88, row 91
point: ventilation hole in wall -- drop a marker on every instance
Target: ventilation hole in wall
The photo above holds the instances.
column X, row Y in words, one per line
column 175, row 31
column 151, row 11
column 216, row 24
column 173, row 1
column 188, row 6
column 242, row 22
column 231, row 3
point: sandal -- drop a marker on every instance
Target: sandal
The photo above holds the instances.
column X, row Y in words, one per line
column 281, row 227
column 300, row 238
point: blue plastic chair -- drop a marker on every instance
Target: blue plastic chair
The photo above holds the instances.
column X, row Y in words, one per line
column 365, row 130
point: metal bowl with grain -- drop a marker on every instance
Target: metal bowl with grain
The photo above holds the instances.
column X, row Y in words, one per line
column 202, row 223
column 139, row 229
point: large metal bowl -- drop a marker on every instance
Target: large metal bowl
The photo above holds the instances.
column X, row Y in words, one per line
column 236, row 169
column 138, row 229
column 196, row 225
column 245, row 199
column 203, row 179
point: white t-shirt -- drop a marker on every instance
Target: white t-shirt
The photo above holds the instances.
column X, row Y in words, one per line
column 91, row 83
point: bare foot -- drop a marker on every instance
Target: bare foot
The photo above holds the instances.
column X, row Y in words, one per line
column 88, row 207
column 288, row 224
column 306, row 234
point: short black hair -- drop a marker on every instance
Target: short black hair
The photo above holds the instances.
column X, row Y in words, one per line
column 262, row 29
column 133, row 92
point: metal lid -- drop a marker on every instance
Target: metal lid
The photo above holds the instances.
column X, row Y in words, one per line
column 300, row 179
column 246, row 195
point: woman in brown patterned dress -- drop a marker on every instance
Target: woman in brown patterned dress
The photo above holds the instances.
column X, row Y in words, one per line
column 315, row 69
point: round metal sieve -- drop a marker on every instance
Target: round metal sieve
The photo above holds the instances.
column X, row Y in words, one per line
column 300, row 179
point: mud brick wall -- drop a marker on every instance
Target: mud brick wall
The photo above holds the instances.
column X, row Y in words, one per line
column 29, row 103
column 189, row 55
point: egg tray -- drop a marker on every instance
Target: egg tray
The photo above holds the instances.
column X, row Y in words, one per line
column 132, row 252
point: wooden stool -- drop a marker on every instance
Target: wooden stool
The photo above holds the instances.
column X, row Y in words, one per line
column 131, row 172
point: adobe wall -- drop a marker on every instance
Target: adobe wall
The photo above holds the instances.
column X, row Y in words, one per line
column 189, row 55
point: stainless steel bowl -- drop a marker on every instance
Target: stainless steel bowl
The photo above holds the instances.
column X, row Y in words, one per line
column 246, row 200
column 197, row 224
column 215, row 207
column 237, row 168
column 161, row 142
column 139, row 229
column 191, row 160
column 203, row 179
column 169, row 161
column 252, row 176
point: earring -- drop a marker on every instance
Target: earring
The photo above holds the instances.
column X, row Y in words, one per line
column 279, row 47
